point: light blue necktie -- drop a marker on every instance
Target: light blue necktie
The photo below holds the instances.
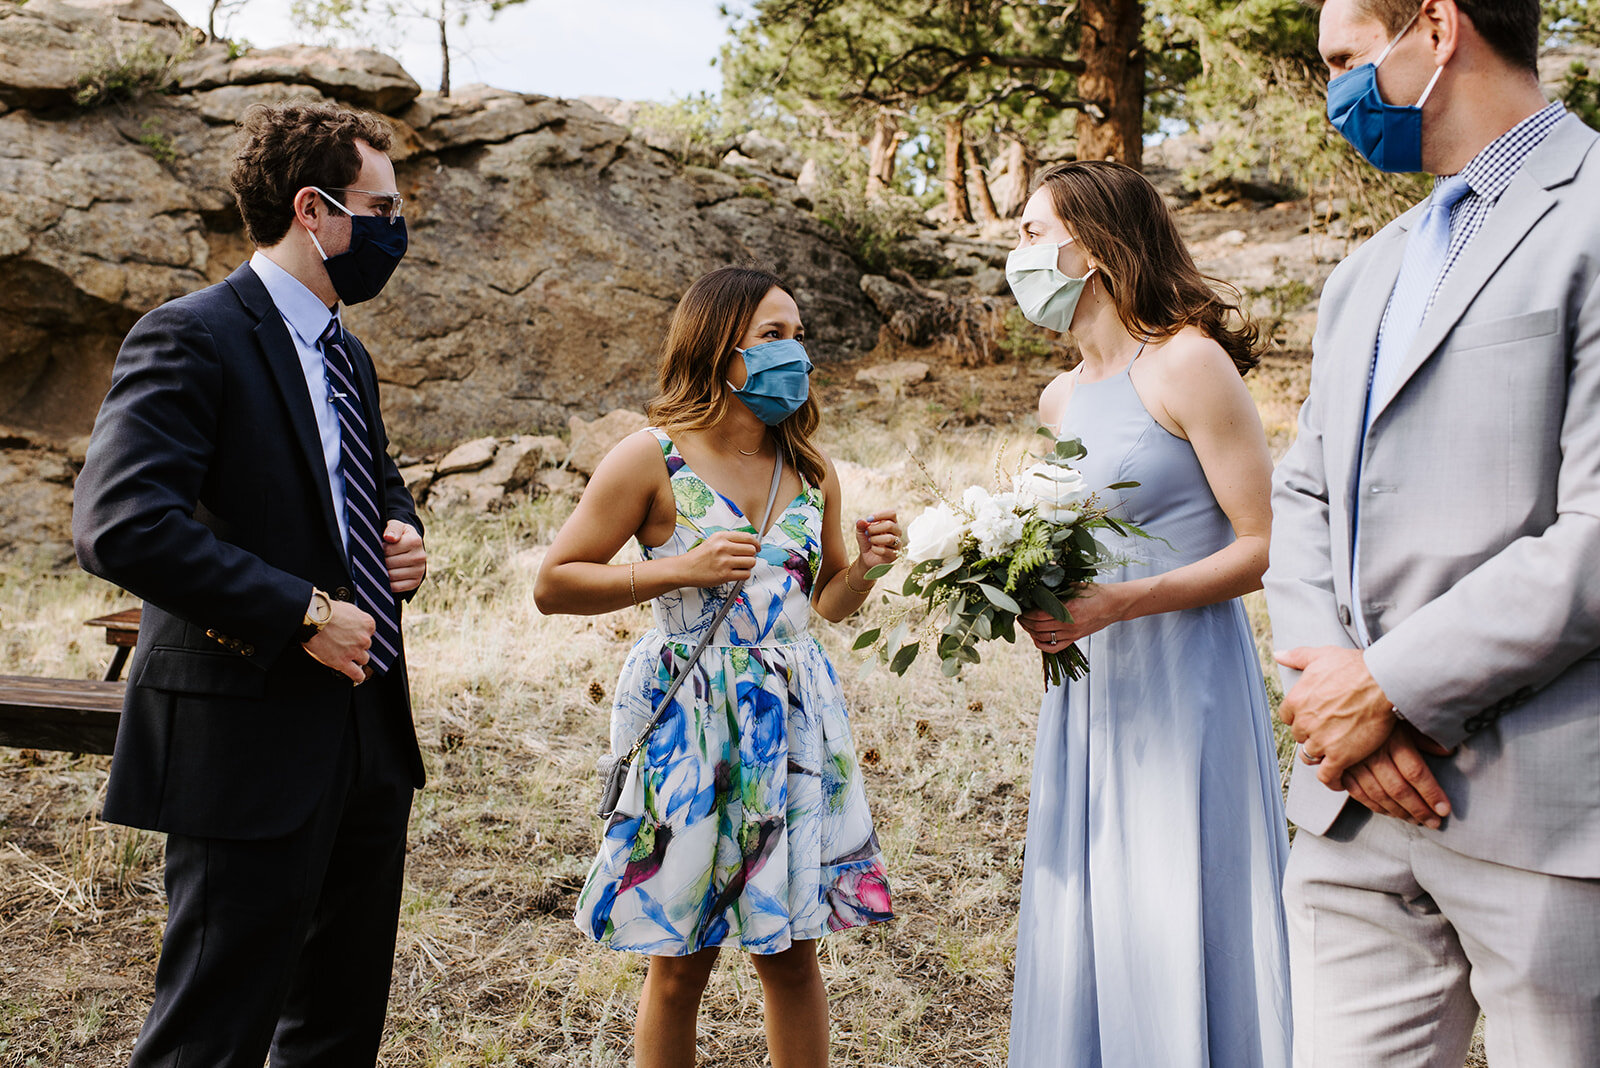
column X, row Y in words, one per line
column 1426, row 251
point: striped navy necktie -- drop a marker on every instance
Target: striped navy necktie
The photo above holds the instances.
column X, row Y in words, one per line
column 363, row 517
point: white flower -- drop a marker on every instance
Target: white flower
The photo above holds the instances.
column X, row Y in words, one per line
column 996, row 524
column 934, row 535
column 974, row 499
column 1055, row 492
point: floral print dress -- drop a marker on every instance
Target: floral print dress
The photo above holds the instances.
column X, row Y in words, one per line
column 755, row 830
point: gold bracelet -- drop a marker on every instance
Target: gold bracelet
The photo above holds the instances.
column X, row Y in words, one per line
column 852, row 585
column 633, row 591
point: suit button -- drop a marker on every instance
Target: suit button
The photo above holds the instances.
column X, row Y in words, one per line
column 247, row 650
column 1344, row 614
column 342, row 593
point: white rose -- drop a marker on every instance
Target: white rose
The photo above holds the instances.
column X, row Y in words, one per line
column 997, row 526
column 1056, row 493
column 934, row 535
column 974, row 499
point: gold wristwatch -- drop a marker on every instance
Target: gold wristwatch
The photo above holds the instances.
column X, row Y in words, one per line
column 318, row 615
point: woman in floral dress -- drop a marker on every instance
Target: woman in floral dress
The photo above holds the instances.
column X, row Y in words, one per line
column 755, row 831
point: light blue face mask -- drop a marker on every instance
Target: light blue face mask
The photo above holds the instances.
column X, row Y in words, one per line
column 777, row 379
column 1047, row 297
column 1388, row 136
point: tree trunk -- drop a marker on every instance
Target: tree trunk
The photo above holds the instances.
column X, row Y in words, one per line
column 211, row 21
column 955, row 178
column 1021, row 163
column 978, row 182
column 886, row 138
column 1112, row 82
column 444, row 50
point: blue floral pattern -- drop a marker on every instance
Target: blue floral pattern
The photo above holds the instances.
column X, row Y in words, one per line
column 756, row 831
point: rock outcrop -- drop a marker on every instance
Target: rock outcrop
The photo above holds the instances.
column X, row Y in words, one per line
column 548, row 244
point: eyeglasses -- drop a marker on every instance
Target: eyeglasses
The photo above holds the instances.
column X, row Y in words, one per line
column 389, row 205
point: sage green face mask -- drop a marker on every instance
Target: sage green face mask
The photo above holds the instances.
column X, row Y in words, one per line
column 1047, row 297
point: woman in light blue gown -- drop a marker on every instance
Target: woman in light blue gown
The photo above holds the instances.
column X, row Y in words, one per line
column 1152, row 928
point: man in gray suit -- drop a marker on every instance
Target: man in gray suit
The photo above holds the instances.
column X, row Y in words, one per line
column 1435, row 570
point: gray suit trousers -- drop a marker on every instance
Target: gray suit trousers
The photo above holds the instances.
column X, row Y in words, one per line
column 1395, row 942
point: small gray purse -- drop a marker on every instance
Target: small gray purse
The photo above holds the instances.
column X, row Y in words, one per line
column 617, row 771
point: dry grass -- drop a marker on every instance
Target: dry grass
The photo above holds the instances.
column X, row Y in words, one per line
column 511, row 710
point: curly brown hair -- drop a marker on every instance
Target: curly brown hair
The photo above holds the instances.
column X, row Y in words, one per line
column 1123, row 223
column 285, row 147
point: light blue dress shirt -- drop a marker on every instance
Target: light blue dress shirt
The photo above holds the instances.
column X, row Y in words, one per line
column 307, row 317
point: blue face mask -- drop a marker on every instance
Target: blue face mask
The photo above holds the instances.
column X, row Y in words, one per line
column 777, row 380
column 1388, row 136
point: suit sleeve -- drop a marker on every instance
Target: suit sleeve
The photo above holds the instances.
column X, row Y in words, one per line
column 133, row 516
column 1521, row 618
column 1299, row 581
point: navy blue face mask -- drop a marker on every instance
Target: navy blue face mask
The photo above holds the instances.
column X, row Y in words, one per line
column 1388, row 136
column 376, row 245
column 777, row 379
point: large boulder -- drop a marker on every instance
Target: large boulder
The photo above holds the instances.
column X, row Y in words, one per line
column 362, row 77
column 549, row 245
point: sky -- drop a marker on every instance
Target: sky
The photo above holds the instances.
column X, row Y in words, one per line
column 633, row 49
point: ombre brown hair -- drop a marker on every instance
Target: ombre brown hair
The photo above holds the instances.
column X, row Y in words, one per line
column 1121, row 222
column 706, row 327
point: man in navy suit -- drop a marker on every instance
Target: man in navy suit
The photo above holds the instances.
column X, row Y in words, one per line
column 238, row 481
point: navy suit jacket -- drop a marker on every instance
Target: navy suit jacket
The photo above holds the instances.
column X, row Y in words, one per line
column 205, row 493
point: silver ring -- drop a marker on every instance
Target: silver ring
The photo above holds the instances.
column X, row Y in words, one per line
column 1309, row 759
column 1052, row 635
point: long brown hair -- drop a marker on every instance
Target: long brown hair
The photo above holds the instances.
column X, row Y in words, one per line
column 706, row 327
column 1120, row 220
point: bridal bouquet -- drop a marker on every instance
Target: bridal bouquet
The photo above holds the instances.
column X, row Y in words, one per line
column 981, row 562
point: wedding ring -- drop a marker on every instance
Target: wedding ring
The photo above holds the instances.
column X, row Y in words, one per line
column 1052, row 636
column 1309, row 759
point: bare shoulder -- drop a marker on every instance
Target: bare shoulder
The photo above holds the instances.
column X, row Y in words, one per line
column 1053, row 401
column 1191, row 359
column 635, row 460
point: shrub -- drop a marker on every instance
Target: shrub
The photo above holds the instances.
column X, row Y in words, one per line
column 120, row 71
column 873, row 230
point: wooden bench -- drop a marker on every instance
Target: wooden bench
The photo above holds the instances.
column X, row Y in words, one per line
column 77, row 715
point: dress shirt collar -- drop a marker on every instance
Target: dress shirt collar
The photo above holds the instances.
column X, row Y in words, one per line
column 302, row 309
column 1490, row 172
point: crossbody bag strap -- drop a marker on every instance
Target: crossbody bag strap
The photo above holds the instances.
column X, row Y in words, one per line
column 716, row 621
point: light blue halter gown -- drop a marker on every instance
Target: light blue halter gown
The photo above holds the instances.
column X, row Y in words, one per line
column 1152, row 929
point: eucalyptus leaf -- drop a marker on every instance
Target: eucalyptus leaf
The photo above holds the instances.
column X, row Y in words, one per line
column 897, row 636
column 866, row 638
column 983, row 625
column 902, row 660
column 1049, row 602
column 876, row 573
column 951, row 667
column 1000, row 599
column 1122, row 485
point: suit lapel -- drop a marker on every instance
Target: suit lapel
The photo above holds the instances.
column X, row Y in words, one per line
column 272, row 334
column 1354, row 341
column 1518, row 210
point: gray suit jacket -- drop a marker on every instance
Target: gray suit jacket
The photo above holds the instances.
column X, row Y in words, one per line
column 1480, row 515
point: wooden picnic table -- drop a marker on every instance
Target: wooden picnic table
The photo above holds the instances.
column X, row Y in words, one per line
column 77, row 715
column 122, row 631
